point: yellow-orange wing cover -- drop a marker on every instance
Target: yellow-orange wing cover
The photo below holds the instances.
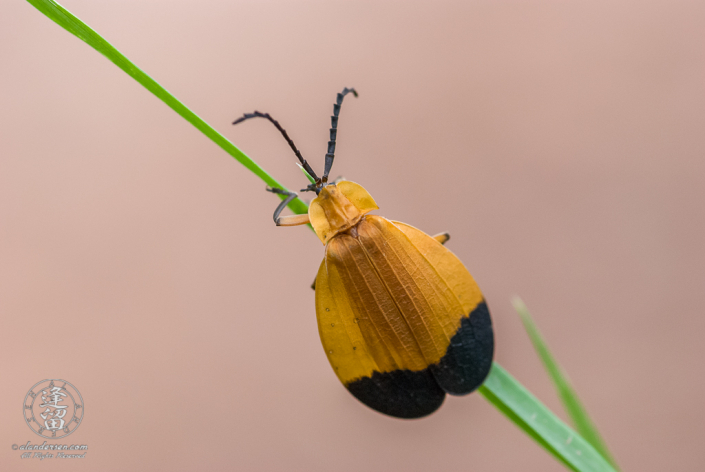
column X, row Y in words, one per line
column 401, row 319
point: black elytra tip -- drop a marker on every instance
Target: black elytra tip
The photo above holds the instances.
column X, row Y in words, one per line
column 468, row 358
column 400, row 393
column 463, row 368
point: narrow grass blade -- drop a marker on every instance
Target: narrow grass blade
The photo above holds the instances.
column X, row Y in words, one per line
column 73, row 25
column 529, row 414
column 567, row 393
column 308, row 176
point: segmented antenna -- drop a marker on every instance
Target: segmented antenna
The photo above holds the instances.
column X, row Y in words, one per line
column 305, row 164
column 334, row 131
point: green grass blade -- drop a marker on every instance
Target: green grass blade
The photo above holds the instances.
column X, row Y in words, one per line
column 308, row 176
column 73, row 25
column 567, row 393
column 529, row 414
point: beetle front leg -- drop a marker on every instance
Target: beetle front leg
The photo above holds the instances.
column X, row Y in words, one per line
column 290, row 220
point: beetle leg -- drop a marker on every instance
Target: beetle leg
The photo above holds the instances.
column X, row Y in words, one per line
column 313, row 285
column 442, row 237
column 291, row 220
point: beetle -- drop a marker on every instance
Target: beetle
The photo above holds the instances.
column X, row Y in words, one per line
column 400, row 318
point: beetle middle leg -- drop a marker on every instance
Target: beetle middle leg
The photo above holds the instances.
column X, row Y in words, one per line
column 289, row 220
column 442, row 237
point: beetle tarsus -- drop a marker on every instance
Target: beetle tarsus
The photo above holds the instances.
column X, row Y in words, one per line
column 290, row 196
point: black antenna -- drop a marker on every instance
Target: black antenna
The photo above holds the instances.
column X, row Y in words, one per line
column 334, row 131
column 305, row 164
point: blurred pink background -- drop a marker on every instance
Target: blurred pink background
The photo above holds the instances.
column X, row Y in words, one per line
column 560, row 143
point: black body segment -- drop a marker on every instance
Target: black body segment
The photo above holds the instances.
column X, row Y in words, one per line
column 468, row 360
column 400, row 393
